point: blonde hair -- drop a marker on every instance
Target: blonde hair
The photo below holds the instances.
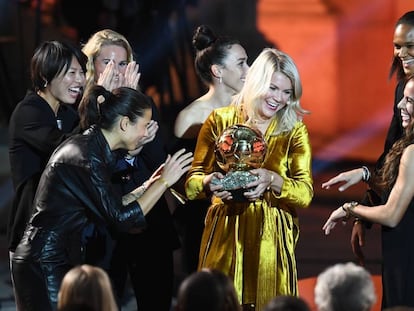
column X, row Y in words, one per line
column 93, row 47
column 257, row 84
column 88, row 286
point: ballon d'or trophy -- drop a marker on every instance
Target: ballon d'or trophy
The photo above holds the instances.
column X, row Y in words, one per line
column 239, row 149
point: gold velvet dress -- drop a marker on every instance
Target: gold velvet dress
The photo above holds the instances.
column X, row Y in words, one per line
column 254, row 242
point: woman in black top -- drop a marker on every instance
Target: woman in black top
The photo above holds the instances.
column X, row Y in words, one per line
column 75, row 193
column 40, row 122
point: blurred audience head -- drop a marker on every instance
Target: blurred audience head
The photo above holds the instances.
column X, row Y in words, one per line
column 344, row 287
column 287, row 303
column 207, row 290
column 86, row 288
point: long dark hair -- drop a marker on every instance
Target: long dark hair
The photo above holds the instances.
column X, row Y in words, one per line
column 102, row 107
column 50, row 59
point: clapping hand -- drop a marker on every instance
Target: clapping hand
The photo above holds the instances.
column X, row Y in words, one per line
column 110, row 78
column 132, row 75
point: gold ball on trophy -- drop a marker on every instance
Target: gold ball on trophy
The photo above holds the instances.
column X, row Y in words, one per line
column 240, row 148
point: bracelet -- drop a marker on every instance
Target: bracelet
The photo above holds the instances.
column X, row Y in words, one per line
column 164, row 182
column 348, row 209
column 366, row 174
column 272, row 177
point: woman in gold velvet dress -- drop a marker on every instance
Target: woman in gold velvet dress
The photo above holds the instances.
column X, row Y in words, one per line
column 253, row 242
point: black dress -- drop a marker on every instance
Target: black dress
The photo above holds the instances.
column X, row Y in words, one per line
column 397, row 243
column 397, row 246
column 398, row 262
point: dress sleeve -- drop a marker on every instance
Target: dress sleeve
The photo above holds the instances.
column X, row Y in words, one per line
column 297, row 188
column 204, row 158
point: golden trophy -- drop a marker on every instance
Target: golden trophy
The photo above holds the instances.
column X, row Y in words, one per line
column 239, row 149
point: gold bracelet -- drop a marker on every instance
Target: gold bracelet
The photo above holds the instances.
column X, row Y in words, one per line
column 346, row 217
column 352, row 207
column 164, row 182
column 348, row 209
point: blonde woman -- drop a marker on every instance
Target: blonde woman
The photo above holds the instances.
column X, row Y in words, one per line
column 254, row 242
column 110, row 61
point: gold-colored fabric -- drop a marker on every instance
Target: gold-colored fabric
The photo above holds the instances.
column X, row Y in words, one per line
column 254, row 243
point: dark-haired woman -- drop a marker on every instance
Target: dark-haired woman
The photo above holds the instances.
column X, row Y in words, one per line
column 396, row 213
column 39, row 123
column 75, row 192
column 221, row 64
column 402, row 67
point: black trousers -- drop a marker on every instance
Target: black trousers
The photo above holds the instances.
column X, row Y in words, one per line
column 37, row 285
column 149, row 265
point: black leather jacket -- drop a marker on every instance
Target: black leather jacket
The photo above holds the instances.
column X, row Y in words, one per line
column 74, row 192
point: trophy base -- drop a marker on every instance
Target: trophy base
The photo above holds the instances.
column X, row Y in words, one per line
column 235, row 182
column 238, row 195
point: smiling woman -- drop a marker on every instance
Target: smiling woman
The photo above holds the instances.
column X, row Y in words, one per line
column 40, row 122
column 253, row 242
column 395, row 213
column 406, row 105
column 79, row 174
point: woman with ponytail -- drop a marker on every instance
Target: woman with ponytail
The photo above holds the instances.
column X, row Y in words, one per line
column 221, row 64
column 75, row 193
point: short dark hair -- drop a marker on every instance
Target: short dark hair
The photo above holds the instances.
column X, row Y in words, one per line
column 50, row 59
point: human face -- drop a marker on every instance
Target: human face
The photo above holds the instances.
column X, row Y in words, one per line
column 406, row 105
column 136, row 131
column 235, row 68
column 115, row 53
column 276, row 98
column 67, row 87
column 404, row 47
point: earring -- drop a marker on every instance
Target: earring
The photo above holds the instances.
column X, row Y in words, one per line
column 45, row 85
column 220, row 80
